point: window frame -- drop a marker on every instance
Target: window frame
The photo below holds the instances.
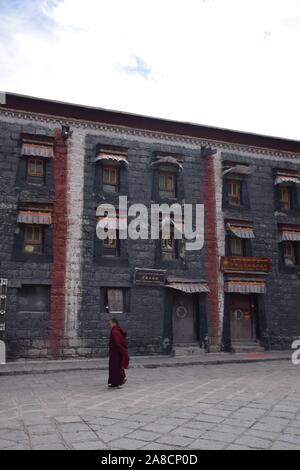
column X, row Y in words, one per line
column 104, row 297
column 165, row 192
column 289, row 191
column 110, row 249
column 238, row 182
column 233, row 241
column 109, row 186
column 35, row 174
column 32, row 241
column 294, row 258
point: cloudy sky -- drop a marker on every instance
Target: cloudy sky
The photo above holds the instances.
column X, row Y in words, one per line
column 225, row 63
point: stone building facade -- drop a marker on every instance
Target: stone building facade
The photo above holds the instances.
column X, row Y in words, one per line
column 60, row 284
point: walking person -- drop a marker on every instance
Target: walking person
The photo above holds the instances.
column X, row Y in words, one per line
column 118, row 354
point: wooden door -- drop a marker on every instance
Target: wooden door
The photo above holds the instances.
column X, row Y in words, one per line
column 240, row 317
column 184, row 329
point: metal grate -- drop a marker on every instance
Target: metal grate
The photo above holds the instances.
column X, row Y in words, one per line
column 3, row 302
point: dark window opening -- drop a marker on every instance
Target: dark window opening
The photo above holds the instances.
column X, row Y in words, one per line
column 111, row 246
column 290, row 253
column 111, row 178
column 34, row 299
column 169, row 247
column 234, row 192
column 167, row 184
column 237, row 246
column 35, row 170
column 115, row 300
column 285, row 198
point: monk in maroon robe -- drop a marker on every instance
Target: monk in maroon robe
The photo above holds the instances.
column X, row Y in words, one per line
column 118, row 355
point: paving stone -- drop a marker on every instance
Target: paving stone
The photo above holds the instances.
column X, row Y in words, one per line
column 79, row 436
column 254, row 442
column 187, row 432
column 127, row 444
column 90, row 445
column 204, row 444
column 279, row 445
column 68, row 419
column 143, row 435
column 170, row 439
column 73, row 427
column 160, row 428
column 210, row 418
column 48, row 447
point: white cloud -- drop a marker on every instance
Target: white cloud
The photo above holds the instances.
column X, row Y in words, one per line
column 226, row 63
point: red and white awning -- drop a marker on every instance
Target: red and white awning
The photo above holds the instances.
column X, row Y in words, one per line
column 168, row 160
column 190, row 288
column 34, row 218
column 36, row 150
column 241, row 231
column 245, row 287
column 117, row 158
column 289, row 234
column 285, row 179
column 238, row 170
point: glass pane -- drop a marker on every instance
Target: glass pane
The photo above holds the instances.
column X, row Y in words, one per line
column 161, row 182
column 170, row 185
column 31, row 167
column 106, row 175
column 29, row 234
column 37, row 233
column 39, row 168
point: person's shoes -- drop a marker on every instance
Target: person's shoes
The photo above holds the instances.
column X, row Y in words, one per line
column 113, row 386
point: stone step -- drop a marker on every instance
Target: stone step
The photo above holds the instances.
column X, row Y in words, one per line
column 188, row 351
column 247, row 347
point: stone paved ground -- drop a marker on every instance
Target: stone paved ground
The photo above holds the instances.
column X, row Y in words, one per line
column 235, row 406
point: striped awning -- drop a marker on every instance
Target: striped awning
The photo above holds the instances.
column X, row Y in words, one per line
column 239, row 170
column 289, row 234
column 169, row 160
column 37, row 150
column 241, row 231
column 190, row 287
column 245, row 287
column 118, row 158
column 282, row 179
column 38, row 218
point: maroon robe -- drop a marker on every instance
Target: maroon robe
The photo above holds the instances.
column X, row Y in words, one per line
column 118, row 356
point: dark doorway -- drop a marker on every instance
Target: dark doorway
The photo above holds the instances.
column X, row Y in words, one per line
column 241, row 318
column 184, row 318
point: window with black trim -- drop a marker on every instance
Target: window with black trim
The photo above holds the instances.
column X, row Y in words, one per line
column 111, row 178
column 285, row 199
column 35, row 168
column 115, row 300
column 111, row 246
column 167, row 184
column 290, row 253
column 236, row 246
column 169, row 245
column 33, row 298
column 234, row 187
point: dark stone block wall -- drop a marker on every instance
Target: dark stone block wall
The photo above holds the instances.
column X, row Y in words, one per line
column 282, row 300
column 26, row 333
column 145, row 323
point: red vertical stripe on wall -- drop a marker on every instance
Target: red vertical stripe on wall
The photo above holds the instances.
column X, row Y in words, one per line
column 57, row 315
column 211, row 251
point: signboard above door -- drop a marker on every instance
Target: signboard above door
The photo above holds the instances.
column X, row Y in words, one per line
column 150, row 277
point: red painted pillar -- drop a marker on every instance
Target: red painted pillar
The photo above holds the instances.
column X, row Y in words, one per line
column 59, row 227
column 211, row 249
